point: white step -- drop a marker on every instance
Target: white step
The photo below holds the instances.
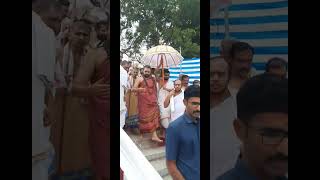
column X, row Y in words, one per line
column 167, row 177
column 154, row 153
column 143, row 142
column 160, row 166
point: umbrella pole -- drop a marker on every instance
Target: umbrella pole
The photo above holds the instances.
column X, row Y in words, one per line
column 162, row 72
column 226, row 20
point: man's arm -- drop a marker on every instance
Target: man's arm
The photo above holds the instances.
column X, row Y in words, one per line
column 136, row 85
column 81, row 85
column 172, row 152
column 173, row 170
column 167, row 100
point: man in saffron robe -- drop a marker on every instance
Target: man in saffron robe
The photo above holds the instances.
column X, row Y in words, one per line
column 97, row 72
column 149, row 114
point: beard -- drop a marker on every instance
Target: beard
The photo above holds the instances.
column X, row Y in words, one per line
column 146, row 75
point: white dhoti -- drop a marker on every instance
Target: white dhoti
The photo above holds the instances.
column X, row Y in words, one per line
column 40, row 170
column 164, row 112
column 122, row 118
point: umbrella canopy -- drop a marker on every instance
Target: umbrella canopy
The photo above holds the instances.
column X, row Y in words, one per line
column 170, row 56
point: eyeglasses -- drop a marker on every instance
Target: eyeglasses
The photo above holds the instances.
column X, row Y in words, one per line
column 271, row 136
column 195, row 104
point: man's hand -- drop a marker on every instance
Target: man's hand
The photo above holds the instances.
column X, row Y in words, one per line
column 174, row 171
column 101, row 89
column 172, row 92
column 168, row 89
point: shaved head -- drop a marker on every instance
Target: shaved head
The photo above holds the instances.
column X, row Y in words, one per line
column 80, row 34
column 219, row 61
column 219, row 74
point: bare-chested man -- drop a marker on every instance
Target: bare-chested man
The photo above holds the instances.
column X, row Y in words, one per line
column 96, row 71
column 149, row 114
column 70, row 133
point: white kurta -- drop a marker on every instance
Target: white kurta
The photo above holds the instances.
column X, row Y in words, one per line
column 224, row 144
column 179, row 108
column 43, row 66
column 123, row 85
column 164, row 112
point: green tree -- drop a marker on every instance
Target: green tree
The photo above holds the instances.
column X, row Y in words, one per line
column 177, row 22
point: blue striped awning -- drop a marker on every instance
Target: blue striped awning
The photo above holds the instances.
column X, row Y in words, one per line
column 261, row 23
column 190, row 67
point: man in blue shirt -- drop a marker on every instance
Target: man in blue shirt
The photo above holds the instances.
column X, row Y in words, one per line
column 262, row 127
column 183, row 139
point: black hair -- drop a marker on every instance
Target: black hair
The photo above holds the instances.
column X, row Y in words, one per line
column 260, row 94
column 192, row 91
column 64, row 2
column 195, row 81
column 147, row 66
column 165, row 70
column 240, row 47
column 184, row 76
column 276, row 62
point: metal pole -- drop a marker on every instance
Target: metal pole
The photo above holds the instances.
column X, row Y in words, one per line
column 181, row 62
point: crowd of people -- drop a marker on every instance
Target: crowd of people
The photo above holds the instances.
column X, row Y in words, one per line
column 71, row 102
column 70, row 89
column 147, row 103
column 150, row 104
column 248, row 116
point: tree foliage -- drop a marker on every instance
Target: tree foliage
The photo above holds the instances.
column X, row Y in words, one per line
column 177, row 22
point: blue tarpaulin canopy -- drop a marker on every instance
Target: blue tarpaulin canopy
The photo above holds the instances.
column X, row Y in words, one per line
column 261, row 23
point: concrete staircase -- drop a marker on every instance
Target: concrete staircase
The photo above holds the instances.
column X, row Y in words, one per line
column 155, row 154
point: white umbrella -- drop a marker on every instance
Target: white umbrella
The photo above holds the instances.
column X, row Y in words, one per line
column 170, row 56
column 162, row 55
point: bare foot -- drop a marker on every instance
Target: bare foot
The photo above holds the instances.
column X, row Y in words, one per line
column 156, row 139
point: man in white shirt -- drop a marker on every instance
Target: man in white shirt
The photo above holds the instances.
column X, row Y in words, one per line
column 163, row 93
column 46, row 20
column 224, row 145
column 123, row 87
column 174, row 100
